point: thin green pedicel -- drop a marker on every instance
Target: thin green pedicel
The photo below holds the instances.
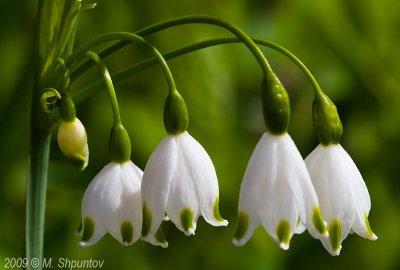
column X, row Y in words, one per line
column 242, row 225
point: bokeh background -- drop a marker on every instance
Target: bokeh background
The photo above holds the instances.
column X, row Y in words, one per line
column 352, row 47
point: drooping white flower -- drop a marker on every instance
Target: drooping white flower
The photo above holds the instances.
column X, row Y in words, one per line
column 112, row 203
column 179, row 181
column 277, row 192
column 342, row 193
column 72, row 140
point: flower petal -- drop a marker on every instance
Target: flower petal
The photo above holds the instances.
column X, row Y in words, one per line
column 281, row 213
column 200, row 170
column 182, row 206
column 361, row 196
column 101, row 200
column 329, row 174
column 255, row 189
column 91, row 232
column 157, row 178
column 130, row 208
column 296, row 173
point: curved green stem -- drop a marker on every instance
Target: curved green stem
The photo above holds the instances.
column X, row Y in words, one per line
column 81, row 94
column 109, row 85
column 125, row 36
column 292, row 57
column 203, row 19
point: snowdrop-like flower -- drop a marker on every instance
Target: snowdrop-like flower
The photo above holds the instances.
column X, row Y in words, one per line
column 112, row 203
column 72, row 140
column 277, row 192
column 342, row 193
column 179, row 181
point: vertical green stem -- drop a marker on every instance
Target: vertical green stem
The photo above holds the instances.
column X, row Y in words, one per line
column 36, row 194
column 49, row 26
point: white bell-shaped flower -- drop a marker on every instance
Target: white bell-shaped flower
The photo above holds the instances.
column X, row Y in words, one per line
column 277, row 192
column 179, row 183
column 342, row 193
column 72, row 140
column 112, row 203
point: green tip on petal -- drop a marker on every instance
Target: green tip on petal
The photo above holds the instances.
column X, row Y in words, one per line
column 335, row 235
column 318, row 221
column 80, row 161
column 146, row 220
column 283, row 233
column 127, row 232
column 298, row 221
column 241, row 227
column 370, row 233
column 187, row 220
column 79, row 231
column 217, row 215
column 159, row 237
column 88, row 229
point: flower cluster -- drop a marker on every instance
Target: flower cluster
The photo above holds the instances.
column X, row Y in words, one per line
column 324, row 194
column 179, row 183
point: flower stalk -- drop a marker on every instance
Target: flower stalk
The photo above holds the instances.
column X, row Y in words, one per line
column 49, row 29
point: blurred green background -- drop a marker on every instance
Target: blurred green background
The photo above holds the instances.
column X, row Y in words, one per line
column 352, row 47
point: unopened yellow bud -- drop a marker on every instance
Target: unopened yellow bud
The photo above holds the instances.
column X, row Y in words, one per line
column 72, row 140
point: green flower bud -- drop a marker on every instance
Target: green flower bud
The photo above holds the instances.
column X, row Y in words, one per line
column 275, row 102
column 120, row 144
column 326, row 120
column 67, row 108
column 176, row 118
